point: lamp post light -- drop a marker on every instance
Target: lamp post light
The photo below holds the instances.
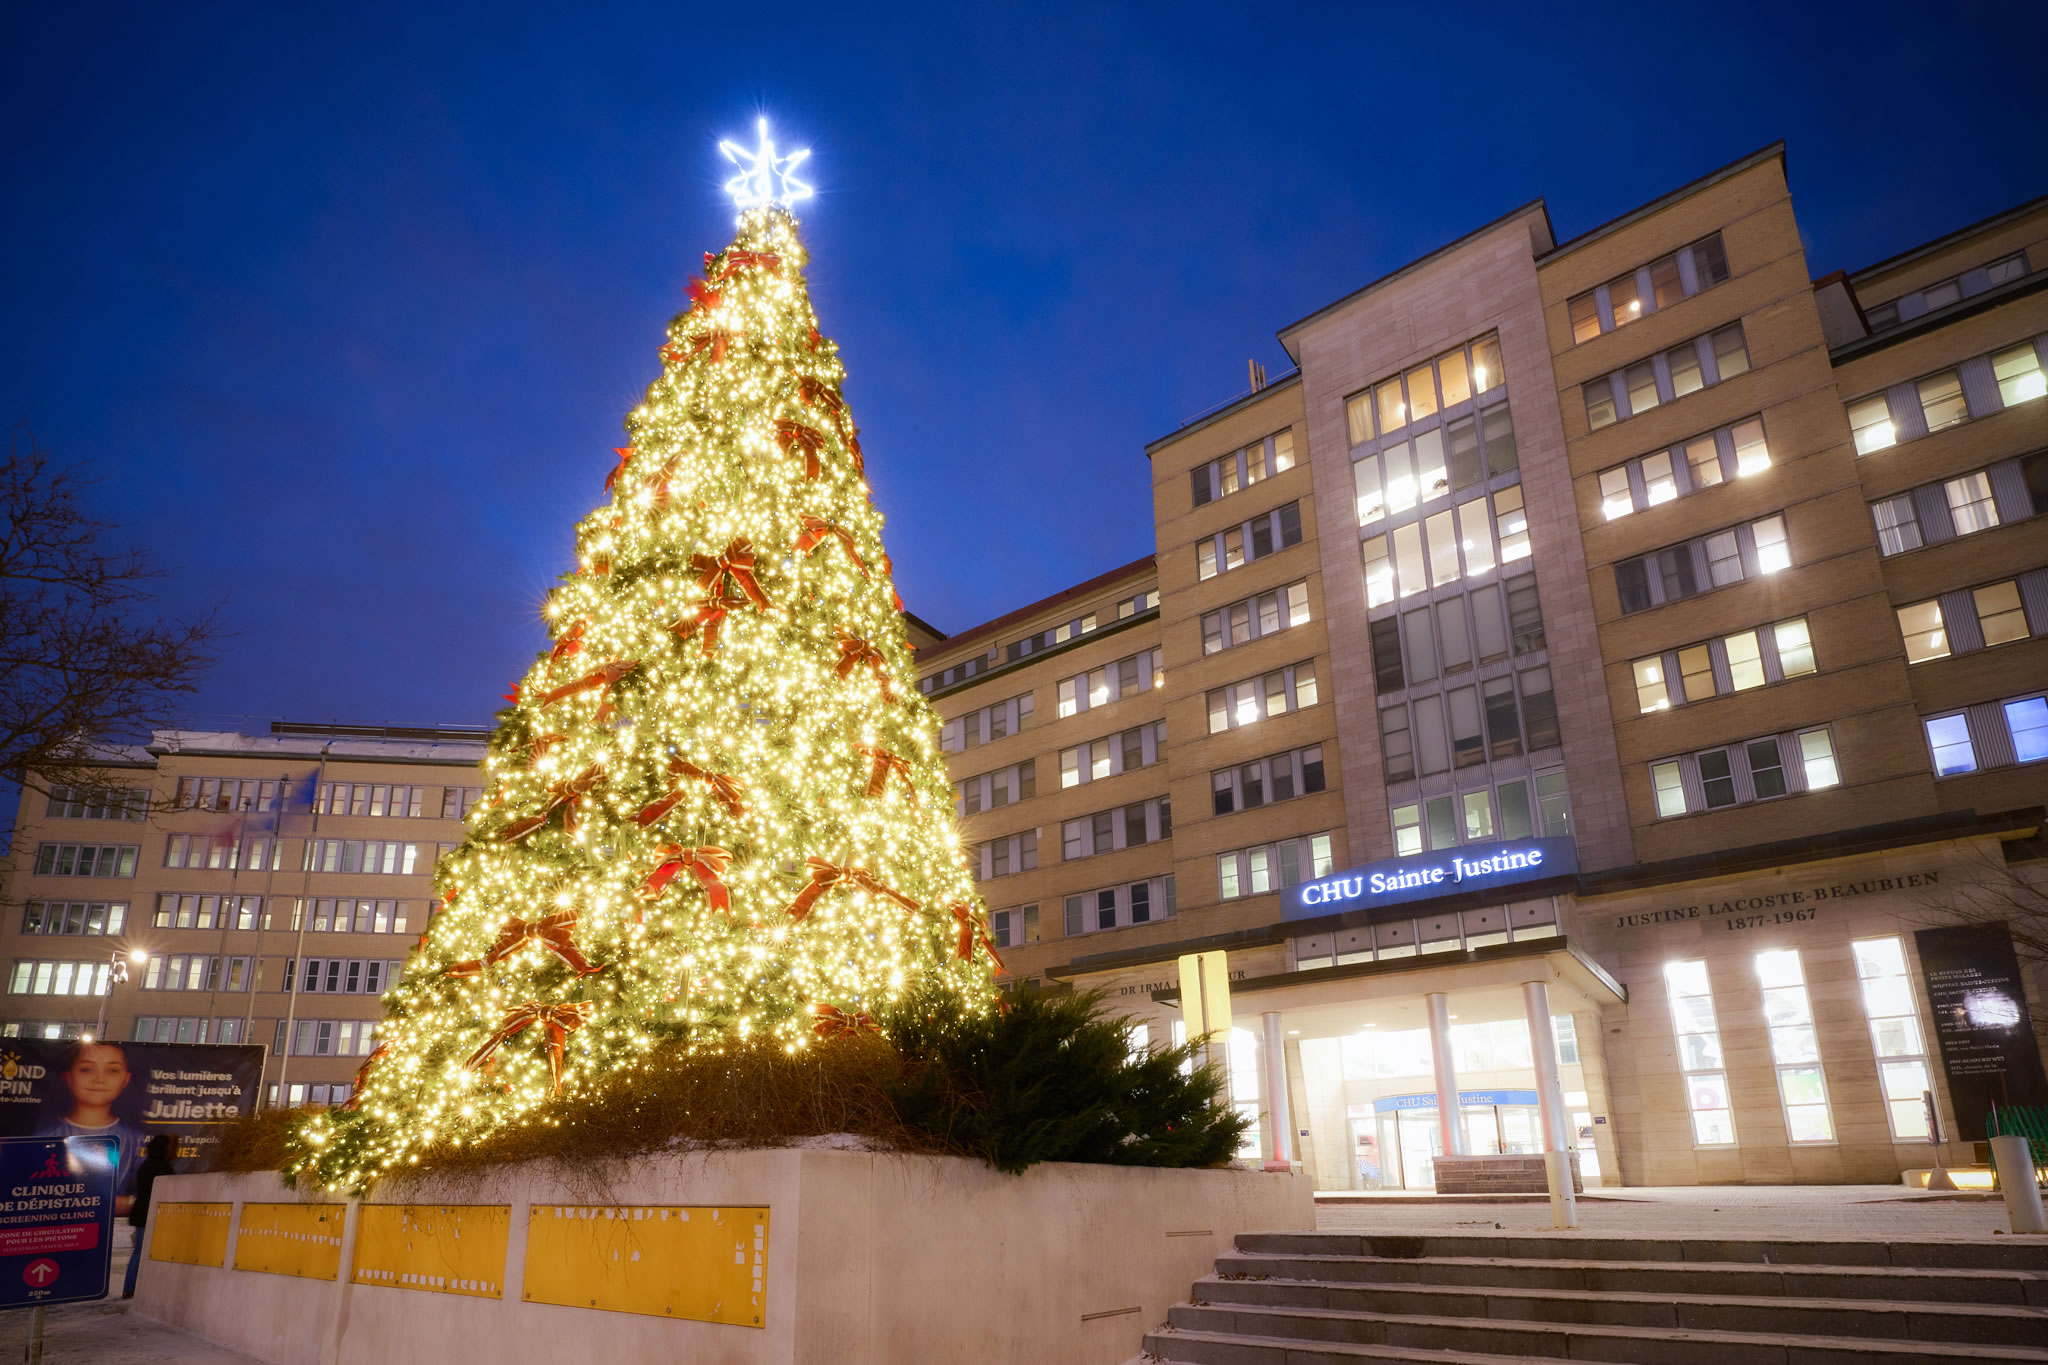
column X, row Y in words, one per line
column 117, row 973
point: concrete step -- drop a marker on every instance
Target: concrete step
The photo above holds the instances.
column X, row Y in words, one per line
column 2000, row 1253
column 1238, row 1335
column 1729, row 1278
column 1900, row 1321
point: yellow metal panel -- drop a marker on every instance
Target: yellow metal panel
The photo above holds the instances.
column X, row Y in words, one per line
column 189, row 1234
column 1205, row 993
column 698, row 1262
column 437, row 1249
column 291, row 1239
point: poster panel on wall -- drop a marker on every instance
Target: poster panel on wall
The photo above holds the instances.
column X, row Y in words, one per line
column 1981, row 1022
column 52, row 1087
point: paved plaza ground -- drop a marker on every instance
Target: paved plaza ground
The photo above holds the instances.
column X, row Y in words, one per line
column 107, row 1334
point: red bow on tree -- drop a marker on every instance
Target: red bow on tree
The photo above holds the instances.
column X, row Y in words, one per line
column 815, row 394
column 737, row 258
column 567, row 795
column 971, row 928
column 551, row 932
column 886, row 763
column 624, row 453
column 853, row 652
column 703, row 295
column 824, row 876
column 570, row 643
column 559, row 1021
column 363, row 1074
column 600, row 564
column 718, row 340
column 595, row 681
column 541, row 744
column 817, row 531
column 790, row 432
column 721, row 574
column 890, row 569
column 725, row 790
column 833, row 1022
column 708, row 864
column 705, row 616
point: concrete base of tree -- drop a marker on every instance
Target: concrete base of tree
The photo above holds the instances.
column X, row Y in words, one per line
column 871, row 1259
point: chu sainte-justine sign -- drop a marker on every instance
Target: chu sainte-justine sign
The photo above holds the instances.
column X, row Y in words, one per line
column 1400, row 881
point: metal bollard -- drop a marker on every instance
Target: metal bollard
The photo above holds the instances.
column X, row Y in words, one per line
column 2015, row 1166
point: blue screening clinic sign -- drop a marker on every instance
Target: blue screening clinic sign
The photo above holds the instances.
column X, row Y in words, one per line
column 56, row 1218
column 1400, row 881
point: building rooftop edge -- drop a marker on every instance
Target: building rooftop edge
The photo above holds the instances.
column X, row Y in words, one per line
column 1686, row 191
column 1929, row 247
column 1100, row 580
column 1211, row 416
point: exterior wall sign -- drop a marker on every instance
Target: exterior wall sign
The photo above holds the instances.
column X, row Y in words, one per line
column 1399, row 881
column 1776, row 907
column 1981, row 1021
column 1467, row 1099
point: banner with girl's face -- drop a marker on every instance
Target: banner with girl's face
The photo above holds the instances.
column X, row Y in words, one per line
column 128, row 1091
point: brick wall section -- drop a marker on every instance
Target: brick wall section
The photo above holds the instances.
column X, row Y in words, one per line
column 1498, row 1175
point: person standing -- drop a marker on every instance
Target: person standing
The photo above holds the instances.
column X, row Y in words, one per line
column 156, row 1161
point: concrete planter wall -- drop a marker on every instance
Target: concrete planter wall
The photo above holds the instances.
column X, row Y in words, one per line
column 870, row 1260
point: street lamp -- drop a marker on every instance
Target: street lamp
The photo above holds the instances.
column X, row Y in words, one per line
column 117, row 973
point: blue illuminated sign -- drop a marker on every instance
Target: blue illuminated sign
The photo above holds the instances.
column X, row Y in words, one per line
column 1467, row 1099
column 1396, row 881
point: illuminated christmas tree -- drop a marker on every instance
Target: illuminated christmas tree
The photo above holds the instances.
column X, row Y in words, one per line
column 716, row 808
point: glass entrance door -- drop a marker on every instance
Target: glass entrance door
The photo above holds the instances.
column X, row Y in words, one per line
column 1421, row 1144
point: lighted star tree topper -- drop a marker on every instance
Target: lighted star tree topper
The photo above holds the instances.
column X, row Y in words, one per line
column 716, row 808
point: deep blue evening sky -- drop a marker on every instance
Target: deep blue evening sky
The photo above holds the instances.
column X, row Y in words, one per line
column 346, row 310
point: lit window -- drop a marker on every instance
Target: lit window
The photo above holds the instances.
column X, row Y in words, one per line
column 1795, row 1046
column 1942, row 401
column 1772, row 551
column 1898, row 524
column 1752, row 455
column 1670, row 788
column 1684, row 366
column 2018, row 372
column 1895, row 1034
column 1585, row 318
column 2000, row 613
column 1921, row 627
column 1615, row 498
column 1870, row 420
column 1379, row 572
column 1600, row 404
column 1970, row 503
column 1651, row 692
column 1696, row 672
column 1627, row 302
column 1513, row 523
column 1745, row 661
column 1731, row 355
column 1795, row 647
column 2028, row 721
column 1817, row 757
column 1407, row 830
column 1358, row 414
column 1703, row 457
column 1699, row 1054
column 1658, row 483
column 1948, row 737
column 1641, row 380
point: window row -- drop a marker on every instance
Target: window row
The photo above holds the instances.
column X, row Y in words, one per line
column 361, row 855
column 987, row 725
column 199, row 972
column 1462, row 727
column 979, row 664
column 1242, row 468
column 86, row 860
column 341, row 916
column 1397, row 564
column 1131, row 606
column 993, row 791
column 1716, row 668
column 1131, row 826
column 1004, row 857
column 1502, row 811
column 1256, row 617
column 1015, row 926
column 1400, row 401
column 35, row 977
column 1126, row 677
column 1976, row 388
column 2009, row 491
column 1139, row 747
column 1264, row 781
column 337, row 975
column 209, row 912
column 1994, row 734
column 97, row 803
column 1737, row 774
column 188, row 1029
column 224, row 851
column 456, row 801
column 1433, row 465
column 1644, row 290
column 1697, row 364
column 1730, row 452
column 366, row 798
column 90, row 918
column 1971, row 619
column 326, row 1038
column 1118, row 907
column 45, row 1028
column 1696, row 566
column 1233, row 548
column 1037, row 643
column 1882, row 317
column 227, row 793
column 1253, row 700
column 1272, row 867
column 1454, row 932
column 1450, row 636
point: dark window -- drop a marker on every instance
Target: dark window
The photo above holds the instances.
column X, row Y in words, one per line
column 1252, row 785
column 1396, row 746
column 1141, row 902
column 1503, row 726
column 1500, row 439
column 1766, row 768
column 1539, row 708
column 1710, row 261
column 1290, row 525
column 1222, row 800
column 1199, row 479
column 1134, row 825
column 1718, row 778
column 1632, row 583
column 1283, row 777
column 2035, row 469
column 1102, row 829
column 1312, row 770
column 1165, row 817
column 1675, row 574
column 1525, row 615
column 1465, row 464
column 1386, row 655
column 1134, row 750
column 1262, row 537
column 1105, row 909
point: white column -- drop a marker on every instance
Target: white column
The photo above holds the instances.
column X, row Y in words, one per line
column 1450, row 1120
column 1278, row 1114
column 1564, row 1211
